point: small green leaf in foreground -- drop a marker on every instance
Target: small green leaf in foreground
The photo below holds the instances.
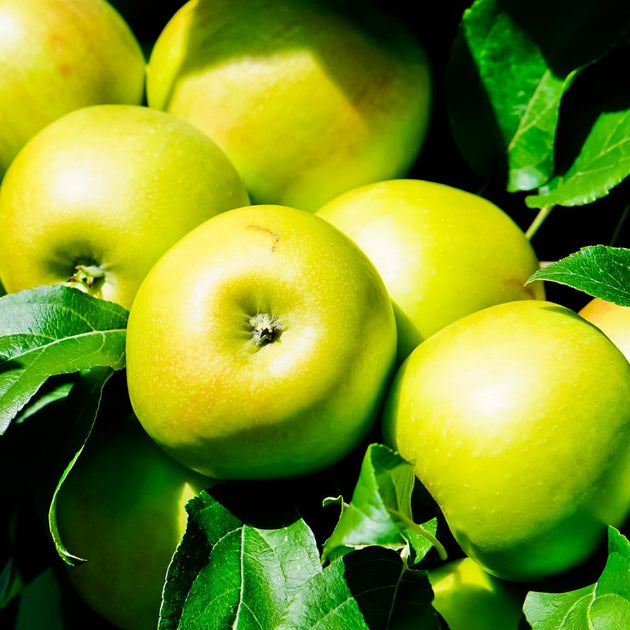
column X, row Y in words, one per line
column 53, row 330
column 599, row 270
column 251, row 576
column 367, row 588
column 208, row 522
column 601, row 606
column 380, row 510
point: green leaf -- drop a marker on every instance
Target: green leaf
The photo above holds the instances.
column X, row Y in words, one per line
column 511, row 67
column 250, row 577
column 47, row 331
column 323, row 602
column 59, row 392
column 380, row 510
column 599, row 270
column 369, row 588
column 10, row 583
column 208, row 522
column 86, row 394
column 41, row 605
column 516, row 97
column 601, row 606
column 545, row 611
column 602, row 163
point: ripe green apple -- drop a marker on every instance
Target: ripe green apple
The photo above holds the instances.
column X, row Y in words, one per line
column 612, row 319
column 122, row 509
column 57, row 56
column 108, row 188
column 470, row 598
column 516, row 419
column 307, row 98
column 260, row 345
column 442, row 252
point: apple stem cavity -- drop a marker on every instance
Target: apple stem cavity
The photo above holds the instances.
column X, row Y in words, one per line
column 265, row 329
column 85, row 277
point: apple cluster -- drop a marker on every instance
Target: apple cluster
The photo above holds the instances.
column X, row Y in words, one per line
column 243, row 190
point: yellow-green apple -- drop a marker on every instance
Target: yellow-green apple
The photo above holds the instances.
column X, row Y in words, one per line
column 57, row 56
column 260, row 345
column 470, row 598
column 442, row 252
column 307, row 98
column 613, row 319
column 121, row 509
column 517, row 421
column 108, row 188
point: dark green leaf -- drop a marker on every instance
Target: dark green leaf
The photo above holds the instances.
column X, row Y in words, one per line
column 10, row 583
column 380, row 510
column 53, row 330
column 41, row 604
column 250, row 577
column 511, row 122
column 603, row 162
column 324, row 602
column 511, row 67
column 389, row 594
column 208, row 522
column 369, row 588
column 600, row 606
column 598, row 270
column 87, row 394
column 37, row 403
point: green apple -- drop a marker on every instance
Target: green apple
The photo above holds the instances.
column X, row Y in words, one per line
column 122, row 510
column 56, row 57
column 470, row 598
column 516, row 419
column 442, row 252
column 307, row 98
column 98, row 195
column 260, row 345
column 613, row 319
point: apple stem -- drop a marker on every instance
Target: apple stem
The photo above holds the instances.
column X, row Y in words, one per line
column 439, row 547
column 543, row 213
column 265, row 328
column 85, row 276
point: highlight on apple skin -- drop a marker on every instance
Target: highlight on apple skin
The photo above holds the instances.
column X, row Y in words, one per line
column 56, row 57
column 307, row 98
column 442, row 252
column 82, row 204
column 517, row 421
column 271, row 355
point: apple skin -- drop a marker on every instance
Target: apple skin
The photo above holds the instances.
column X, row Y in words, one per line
column 109, row 186
column 442, row 252
column 516, row 419
column 308, row 99
column 60, row 55
column 612, row 319
column 229, row 408
column 122, row 509
column 469, row 598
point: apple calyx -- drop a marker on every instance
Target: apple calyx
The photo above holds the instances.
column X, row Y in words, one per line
column 265, row 329
column 86, row 277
